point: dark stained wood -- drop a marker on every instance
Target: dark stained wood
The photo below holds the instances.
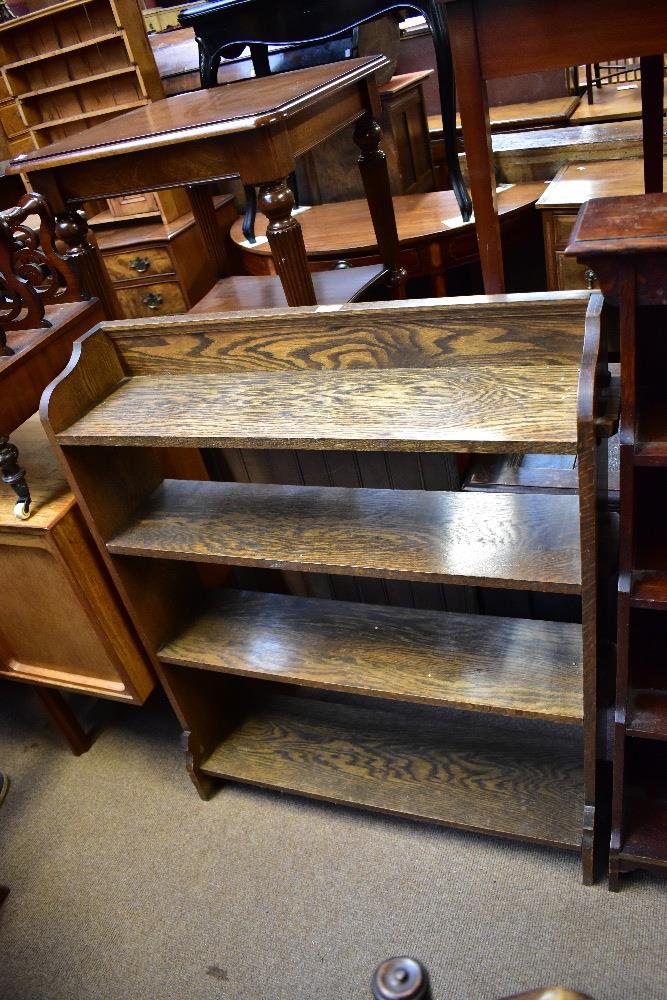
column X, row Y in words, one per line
column 645, row 844
column 568, row 33
column 525, row 668
column 520, row 541
column 625, row 241
column 419, row 764
column 457, row 409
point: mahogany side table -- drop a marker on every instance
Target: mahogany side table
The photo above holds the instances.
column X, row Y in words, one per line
column 254, row 129
column 491, row 39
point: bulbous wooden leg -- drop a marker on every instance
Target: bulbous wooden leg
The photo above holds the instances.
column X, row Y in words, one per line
column 73, row 230
column 375, row 177
column 285, row 238
column 13, row 475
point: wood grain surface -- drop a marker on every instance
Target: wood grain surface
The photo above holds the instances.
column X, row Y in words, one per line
column 514, row 540
column 248, row 105
column 505, row 665
column 493, row 776
column 476, row 407
column 579, row 182
column 534, row 328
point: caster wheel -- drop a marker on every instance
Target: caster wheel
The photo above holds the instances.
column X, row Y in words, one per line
column 22, row 510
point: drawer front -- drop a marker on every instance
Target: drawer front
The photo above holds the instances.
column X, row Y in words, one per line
column 563, row 225
column 157, row 299
column 138, row 263
column 571, row 275
column 409, row 259
column 133, row 204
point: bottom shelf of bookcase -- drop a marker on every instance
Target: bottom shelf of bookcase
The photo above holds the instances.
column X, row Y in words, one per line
column 494, row 775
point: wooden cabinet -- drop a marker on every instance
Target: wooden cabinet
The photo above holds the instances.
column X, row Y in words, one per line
column 158, row 269
column 61, row 621
column 479, row 723
column 573, row 185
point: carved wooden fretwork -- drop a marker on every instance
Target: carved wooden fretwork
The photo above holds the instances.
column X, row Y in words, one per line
column 33, row 272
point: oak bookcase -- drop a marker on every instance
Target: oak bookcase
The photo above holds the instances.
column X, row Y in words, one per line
column 476, row 722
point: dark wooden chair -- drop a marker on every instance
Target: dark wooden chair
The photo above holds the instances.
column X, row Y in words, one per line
column 223, row 28
column 43, row 309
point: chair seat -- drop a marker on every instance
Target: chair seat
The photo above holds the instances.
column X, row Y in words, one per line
column 240, row 292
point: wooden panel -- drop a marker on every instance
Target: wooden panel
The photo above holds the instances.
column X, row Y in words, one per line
column 490, row 777
column 647, row 714
column 580, row 182
column 152, row 299
column 503, row 665
column 562, row 229
column 535, row 328
column 458, row 409
column 513, row 540
column 118, row 264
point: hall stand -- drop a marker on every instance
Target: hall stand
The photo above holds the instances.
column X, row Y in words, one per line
column 625, row 241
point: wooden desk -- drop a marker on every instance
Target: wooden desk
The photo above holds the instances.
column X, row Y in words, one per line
column 491, row 39
column 255, row 129
column 562, row 199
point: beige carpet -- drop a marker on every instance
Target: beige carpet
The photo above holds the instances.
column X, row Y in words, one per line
column 125, row 886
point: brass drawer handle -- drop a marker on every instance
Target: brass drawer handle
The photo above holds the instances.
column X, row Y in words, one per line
column 139, row 264
column 590, row 277
column 152, row 300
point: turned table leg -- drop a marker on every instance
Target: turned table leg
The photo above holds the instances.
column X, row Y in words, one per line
column 13, row 475
column 375, row 177
column 73, row 230
column 285, row 238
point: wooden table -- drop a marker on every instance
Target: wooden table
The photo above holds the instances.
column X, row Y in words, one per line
column 552, row 111
column 612, row 104
column 491, row 39
column 255, row 129
column 432, row 235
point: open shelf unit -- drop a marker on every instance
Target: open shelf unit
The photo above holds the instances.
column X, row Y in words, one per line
column 624, row 240
column 477, row 722
column 75, row 64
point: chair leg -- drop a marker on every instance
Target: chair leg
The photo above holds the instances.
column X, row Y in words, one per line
column 13, row 475
column 433, row 12
column 248, row 226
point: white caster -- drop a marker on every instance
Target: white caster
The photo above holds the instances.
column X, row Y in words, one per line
column 22, row 510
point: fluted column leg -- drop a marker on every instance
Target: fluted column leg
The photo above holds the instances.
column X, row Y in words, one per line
column 285, row 238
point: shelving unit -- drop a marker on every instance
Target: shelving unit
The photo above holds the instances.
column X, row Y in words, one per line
column 73, row 65
column 348, row 702
column 624, row 240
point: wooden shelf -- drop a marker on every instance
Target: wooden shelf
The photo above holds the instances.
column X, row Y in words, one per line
column 486, row 408
column 520, row 541
column 649, row 590
column 645, row 843
column 66, row 49
column 493, row 777
column 502, row 665
column 113, row 109
column 651, row 441
column 68, row 84
column 647, row 713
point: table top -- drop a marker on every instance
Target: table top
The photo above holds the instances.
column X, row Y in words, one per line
column 576, row 183
column 345, row 226
column 239, row 107
column 526, row 113
column 612, row 102
column 621, row 225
